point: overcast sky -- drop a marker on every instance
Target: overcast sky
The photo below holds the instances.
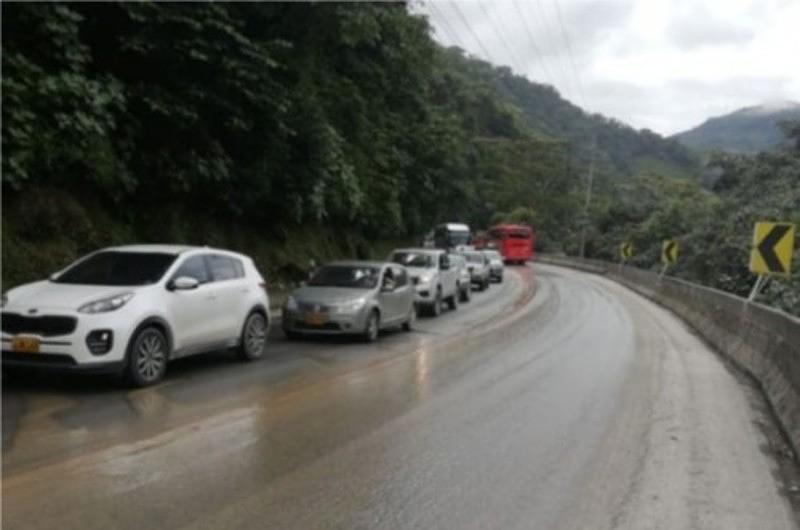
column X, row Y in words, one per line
column 666, row 65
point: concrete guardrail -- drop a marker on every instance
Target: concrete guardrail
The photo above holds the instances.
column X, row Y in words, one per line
column 761, row 340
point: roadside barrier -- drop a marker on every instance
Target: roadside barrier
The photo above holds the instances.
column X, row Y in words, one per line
column 762, row 341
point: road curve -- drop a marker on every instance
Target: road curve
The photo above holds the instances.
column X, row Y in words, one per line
column 556, row 400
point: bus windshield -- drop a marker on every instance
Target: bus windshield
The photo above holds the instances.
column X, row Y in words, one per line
column 449, row 236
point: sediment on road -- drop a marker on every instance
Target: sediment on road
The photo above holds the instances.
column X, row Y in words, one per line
column 762, row 341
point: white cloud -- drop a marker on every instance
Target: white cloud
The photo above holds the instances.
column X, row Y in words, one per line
column 666, row 65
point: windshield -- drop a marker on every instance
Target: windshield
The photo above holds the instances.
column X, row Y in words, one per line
column 458, row 238
column 414, row 259
column 118, row 268
column 356, row 277
column 474, row 257
column 452, row 238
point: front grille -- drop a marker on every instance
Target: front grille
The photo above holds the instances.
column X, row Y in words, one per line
column 328, row 326
column 314, row 308
column 39, row 359
column 44, row 325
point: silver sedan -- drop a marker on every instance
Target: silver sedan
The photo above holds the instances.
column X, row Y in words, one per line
column 351, row 297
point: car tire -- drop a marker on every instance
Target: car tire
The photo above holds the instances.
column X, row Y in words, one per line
column 148, row 352
column 466, row 294
column 436, row 306
column 408, row 325
column 500, row 279
column 452, row 301
column 373, row 327
column 254, row 337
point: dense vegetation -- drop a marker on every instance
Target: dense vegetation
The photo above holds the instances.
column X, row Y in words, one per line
column 747, row 130
column 294, row 131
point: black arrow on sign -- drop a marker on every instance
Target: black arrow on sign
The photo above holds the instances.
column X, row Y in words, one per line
column 767, row 248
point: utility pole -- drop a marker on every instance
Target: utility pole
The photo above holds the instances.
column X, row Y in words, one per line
column 590, row 181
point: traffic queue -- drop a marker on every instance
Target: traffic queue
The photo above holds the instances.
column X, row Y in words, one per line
column 131, row 309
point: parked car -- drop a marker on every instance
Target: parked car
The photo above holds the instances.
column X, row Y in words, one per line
column 459, row 264
column 496, row 266
column 434, row 279
column 134, row 308
column 351, row 297
column 478, row 265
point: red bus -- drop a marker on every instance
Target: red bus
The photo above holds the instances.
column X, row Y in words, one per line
column 514, row 242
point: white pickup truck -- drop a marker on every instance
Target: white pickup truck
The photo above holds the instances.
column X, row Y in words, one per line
column 435, row 280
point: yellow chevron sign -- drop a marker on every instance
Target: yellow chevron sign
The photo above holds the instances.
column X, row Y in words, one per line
column 669, row 252
column 626, row 250
column 773, row 246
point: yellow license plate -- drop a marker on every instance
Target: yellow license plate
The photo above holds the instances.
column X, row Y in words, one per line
column 25, row 344
column 316, row 319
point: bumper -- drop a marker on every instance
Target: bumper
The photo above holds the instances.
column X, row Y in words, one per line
column 59, row 362
column 70, row 351
column 425, row 294
column 334, row 324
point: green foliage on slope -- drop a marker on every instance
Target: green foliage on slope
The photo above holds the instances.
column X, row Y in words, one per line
column 747, row 130
column 714, row 225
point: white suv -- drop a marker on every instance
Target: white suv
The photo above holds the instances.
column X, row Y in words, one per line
column 435, row 281
column 133, row 308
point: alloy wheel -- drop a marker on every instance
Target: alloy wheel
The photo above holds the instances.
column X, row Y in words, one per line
column 151, row 356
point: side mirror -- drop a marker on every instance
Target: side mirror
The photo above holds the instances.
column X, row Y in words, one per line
column 184, row 283
column 388, row 286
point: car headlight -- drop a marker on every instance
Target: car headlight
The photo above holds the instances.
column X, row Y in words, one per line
column 425, row 278
column 350, row 307
column 104, row 305
column 291, row 304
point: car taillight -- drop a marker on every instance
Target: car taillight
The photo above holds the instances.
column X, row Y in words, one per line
column 263, row 285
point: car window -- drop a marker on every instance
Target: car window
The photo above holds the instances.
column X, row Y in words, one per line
column 355, row 276
column 118, row 268
column 400, row 276
column 474, row 257
column 413, row 259
column 225, row 268
column 194, row 267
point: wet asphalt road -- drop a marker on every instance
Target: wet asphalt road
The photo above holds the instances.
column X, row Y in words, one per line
column 556, row 400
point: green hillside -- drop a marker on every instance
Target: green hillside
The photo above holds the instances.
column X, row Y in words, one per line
column 747, row 130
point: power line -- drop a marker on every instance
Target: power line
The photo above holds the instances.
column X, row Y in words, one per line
column 452, row 35
column 472, row 32
column 547, row 72
column 564, row 33
column 564, row 74
column 511, row 54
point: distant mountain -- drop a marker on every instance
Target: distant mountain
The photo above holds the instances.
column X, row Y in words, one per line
column 747, row 130
column 620, row 149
